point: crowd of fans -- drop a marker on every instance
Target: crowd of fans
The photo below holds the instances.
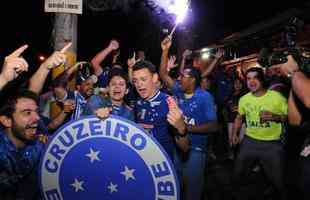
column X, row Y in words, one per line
column 183, row 106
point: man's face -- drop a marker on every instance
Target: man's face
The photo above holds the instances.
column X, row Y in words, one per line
column 145, row 82
column 187, row 81
column 87, row 88
column 25, row 119
column 253, row 83
column 117, row 88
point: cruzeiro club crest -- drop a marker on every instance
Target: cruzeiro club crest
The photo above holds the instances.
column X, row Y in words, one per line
column 112, row 159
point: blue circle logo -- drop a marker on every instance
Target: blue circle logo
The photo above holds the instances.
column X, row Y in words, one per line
column 112, row 159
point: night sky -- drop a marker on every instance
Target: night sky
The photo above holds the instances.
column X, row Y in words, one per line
column 137, row 28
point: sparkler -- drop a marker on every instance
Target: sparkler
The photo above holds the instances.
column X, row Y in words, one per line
column 179, row 8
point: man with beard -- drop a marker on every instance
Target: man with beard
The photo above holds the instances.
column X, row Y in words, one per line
column 114, row 104
column 20, row 148
column 85, row 89
column 264, row 112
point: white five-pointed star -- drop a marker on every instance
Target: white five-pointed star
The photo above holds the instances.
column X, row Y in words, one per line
column 93, row 155
column 77, row 185
column 128, row 173
column 112, row 187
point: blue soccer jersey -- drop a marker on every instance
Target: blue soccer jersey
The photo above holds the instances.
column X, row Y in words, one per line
column 151, row 114
column 123, row 111
column 96, row 101
column 197, row 110
column 18, row 167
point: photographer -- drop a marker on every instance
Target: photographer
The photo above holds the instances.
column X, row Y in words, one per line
column 299, row 111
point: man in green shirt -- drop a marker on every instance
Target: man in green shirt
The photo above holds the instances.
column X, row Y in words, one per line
column 264, row 111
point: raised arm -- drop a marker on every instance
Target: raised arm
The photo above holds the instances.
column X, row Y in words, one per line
column 186, row 53
column 219, row 54
column 115, row 57
column 75, row 67
column 14, row 64
column 172, row 63
column 130, row 63
column 57, row 58
column 163, row 72
column 102, row 55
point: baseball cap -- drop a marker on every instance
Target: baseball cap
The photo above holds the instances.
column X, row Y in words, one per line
column 81, row 79
column 85, row 73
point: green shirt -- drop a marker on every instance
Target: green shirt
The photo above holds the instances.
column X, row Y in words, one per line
column 250, row 106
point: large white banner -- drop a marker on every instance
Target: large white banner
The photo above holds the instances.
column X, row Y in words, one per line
column 64, row 6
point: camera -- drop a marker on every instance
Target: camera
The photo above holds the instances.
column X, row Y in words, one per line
column 268, row 57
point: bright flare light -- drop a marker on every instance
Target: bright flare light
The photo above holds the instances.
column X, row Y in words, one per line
column 179, row 8
column 205, row 55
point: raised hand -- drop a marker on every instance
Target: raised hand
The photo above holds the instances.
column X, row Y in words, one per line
column 219, row 53
column 113, row 45
column 166, row 44
column 171, row 63
column 57, row 58
column 115, row 56
column 14, row 64
column 186, row 53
